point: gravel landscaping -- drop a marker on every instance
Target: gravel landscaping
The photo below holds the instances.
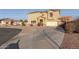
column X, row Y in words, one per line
column 70, row 41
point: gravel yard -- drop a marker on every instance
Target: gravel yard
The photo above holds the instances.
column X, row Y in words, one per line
column 70, row 41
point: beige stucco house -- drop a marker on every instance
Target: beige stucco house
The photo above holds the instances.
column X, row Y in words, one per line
column 6, row 21
column 66, row 18
column 9, row 22
column 45, row 18
column 16, row 22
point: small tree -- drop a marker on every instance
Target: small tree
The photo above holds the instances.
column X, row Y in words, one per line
column 22, row 22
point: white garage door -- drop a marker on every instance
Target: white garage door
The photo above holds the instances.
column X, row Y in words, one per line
column 52, row 24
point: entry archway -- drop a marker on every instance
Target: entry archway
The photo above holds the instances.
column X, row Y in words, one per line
column 40, row 21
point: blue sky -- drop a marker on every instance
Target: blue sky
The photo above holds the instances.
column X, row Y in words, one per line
column 22, row 13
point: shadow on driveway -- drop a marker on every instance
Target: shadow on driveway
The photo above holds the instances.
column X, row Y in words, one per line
column 13, row 45
column 60, row 29
column 7, row 33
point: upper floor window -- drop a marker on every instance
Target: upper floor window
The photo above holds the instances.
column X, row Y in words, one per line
column 51, row 14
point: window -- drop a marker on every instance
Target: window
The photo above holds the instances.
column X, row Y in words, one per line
column 51, row 14
column 33, row 21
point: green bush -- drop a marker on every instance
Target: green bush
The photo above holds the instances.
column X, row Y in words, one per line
column 22, row 22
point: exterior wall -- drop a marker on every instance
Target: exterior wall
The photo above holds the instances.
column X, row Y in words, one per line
column 45, row 16
column 56, row 15
column 50, row 18
column 33, row 17
column 54, row 23
column 6, row 22
column 3, row 23
column 66, row 18
column 53, row 19
column 36, row 16
column 16, row 23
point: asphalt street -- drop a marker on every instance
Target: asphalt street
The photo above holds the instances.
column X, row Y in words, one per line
column 7, row 34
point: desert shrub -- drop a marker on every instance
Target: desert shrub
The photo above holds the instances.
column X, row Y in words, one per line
column 22, row 22
column 76, row 23
column 69, row 27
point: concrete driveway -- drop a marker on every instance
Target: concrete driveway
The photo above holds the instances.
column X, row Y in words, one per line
column 38, row 38
column 45, row 38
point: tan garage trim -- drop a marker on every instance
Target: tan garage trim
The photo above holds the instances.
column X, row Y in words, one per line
column 53, row 23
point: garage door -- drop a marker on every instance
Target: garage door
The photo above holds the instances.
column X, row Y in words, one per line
column 52, row 24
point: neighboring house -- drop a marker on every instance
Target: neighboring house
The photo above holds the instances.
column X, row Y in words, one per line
column 47, row 18
column 17, row 22
column 67, row 23
column 66, row 18
column 9, row 22
column 6, row 21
